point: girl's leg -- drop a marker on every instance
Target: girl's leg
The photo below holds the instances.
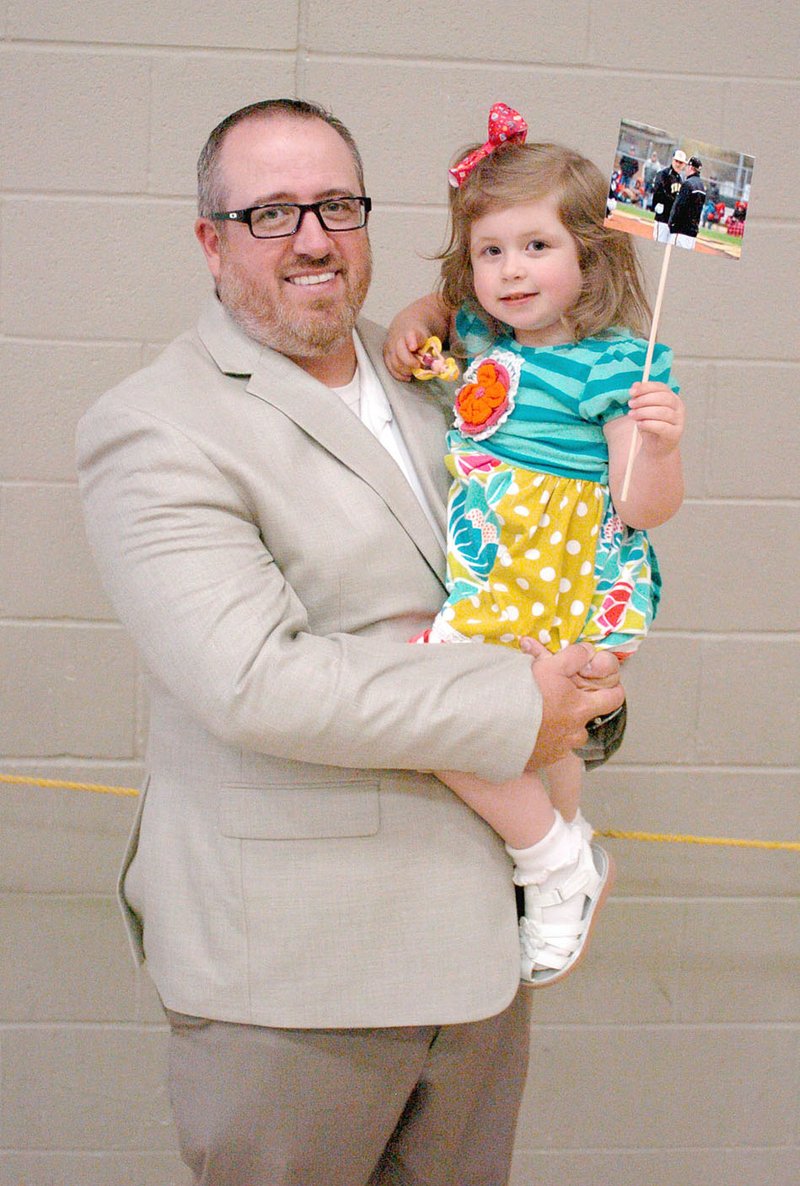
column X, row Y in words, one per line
column 524, row 810
column 519, row 811
column 564, row 783
column 565, row 878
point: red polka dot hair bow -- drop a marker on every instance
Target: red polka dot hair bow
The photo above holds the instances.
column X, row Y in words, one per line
column 506, row 126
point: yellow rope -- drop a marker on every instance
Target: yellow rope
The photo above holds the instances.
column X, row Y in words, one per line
column 610, row 833
column 674, row 838
column 70, row 786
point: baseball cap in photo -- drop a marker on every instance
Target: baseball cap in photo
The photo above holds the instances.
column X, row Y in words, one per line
column 695, row 162
column 679, row 155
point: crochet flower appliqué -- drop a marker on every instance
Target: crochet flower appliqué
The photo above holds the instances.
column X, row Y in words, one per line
column 486, row 399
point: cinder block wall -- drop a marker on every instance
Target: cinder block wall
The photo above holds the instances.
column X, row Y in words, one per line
column 672, row 1057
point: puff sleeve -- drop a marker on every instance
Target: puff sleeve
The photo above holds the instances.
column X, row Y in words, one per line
column 608, row 387
column 473, row 332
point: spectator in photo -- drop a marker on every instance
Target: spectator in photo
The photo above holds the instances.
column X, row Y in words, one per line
column 652, row 167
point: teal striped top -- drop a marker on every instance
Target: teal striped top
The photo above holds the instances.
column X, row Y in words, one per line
column 566, row 395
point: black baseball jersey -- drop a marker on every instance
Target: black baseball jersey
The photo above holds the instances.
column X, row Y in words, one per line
column 688, row 206
column 665, row 190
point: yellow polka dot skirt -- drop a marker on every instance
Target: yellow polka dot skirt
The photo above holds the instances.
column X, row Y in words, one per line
column 537, row 554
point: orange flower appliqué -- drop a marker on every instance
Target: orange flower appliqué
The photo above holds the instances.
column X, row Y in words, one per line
column 480, row 405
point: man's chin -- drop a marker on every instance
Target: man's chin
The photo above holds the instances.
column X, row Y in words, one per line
column 316, row 332
column 290, row 319
column 318, row 324
column 307, row 327
column 321, row 329
column 324, row 340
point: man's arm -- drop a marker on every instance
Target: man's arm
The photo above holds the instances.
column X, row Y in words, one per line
column 681, row 200
column 219, row 625
column 658, row 191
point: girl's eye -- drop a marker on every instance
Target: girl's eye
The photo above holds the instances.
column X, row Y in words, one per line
column 536, row 245
column 491, row 250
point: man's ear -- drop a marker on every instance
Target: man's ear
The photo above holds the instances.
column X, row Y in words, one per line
column 208, row 238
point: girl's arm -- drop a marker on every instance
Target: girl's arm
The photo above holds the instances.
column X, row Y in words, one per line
column 425, row 318
column 656, row 487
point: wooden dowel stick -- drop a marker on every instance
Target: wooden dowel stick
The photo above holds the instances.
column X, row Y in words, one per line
column 636, row 439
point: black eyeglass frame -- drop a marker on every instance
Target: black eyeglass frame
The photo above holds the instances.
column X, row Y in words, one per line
column 246, row 216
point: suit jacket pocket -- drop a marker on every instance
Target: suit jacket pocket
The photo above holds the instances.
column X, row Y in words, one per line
column 335, row 809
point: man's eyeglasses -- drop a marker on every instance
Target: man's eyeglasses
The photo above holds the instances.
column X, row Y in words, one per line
column 277, row 220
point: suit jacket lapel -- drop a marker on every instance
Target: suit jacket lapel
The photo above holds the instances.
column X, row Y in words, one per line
column 418, row 412
column 323, row 416
column 232, row 350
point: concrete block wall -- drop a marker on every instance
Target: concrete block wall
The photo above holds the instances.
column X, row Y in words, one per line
column 672, row 1056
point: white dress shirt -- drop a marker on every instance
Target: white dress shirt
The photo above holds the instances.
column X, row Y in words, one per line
column 366, row 398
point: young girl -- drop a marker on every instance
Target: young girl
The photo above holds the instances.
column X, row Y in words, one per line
column 543, row 299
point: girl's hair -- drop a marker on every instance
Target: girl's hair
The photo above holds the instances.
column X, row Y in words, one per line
column 612, row 295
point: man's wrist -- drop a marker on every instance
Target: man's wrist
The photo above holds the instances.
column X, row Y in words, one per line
column 605, row 737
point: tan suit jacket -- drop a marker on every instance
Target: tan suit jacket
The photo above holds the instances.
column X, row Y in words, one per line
column 290, row 865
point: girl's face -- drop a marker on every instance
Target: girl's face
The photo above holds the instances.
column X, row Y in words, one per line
column 525, row 270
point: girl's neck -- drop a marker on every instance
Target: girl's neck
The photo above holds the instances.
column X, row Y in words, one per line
column 552, row 335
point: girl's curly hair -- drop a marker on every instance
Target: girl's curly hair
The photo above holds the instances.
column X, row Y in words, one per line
column 613, row 294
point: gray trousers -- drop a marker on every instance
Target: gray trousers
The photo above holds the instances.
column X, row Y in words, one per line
column 412, row 1106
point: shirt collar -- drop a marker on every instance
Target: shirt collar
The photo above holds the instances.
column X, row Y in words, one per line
column 376, row 411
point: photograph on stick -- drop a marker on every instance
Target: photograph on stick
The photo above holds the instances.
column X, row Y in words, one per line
column 679, row 189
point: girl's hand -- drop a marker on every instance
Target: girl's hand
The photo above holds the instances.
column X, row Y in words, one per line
column 660, row 417
column 401, row 346
column 656, row 487
column 426, row 318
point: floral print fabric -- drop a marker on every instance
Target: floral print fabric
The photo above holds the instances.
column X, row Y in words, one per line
column 537, row 554
column 534, row 544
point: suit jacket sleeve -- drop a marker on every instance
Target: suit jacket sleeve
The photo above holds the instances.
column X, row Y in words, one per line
column 188, row 567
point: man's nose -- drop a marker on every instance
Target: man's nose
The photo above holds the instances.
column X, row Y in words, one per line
column 311, row 238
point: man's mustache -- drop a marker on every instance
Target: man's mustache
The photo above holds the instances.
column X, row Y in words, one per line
column 315, row 263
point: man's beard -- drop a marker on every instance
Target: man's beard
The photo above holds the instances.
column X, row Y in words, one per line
column 316, row 330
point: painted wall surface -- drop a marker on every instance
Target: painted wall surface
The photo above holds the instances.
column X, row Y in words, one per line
column 673, row 1056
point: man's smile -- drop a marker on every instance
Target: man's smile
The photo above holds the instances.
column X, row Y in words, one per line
column 307, row 278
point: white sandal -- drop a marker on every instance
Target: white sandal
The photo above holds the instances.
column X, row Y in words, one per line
column 551, row 950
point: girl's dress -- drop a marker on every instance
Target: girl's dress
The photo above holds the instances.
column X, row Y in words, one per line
column 534, row 545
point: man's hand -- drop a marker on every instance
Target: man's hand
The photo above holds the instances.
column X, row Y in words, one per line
column 577, row 685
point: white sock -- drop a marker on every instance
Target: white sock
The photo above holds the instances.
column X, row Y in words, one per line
column 582, row 824
column 556, row 851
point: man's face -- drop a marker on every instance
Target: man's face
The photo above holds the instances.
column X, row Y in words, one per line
column 300, row 294
column 678, row 166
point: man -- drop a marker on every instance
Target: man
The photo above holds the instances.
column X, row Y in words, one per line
column 628, row 165
column 332, row 933
column 652, row 167
column 684, row 219
column 665, row 191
